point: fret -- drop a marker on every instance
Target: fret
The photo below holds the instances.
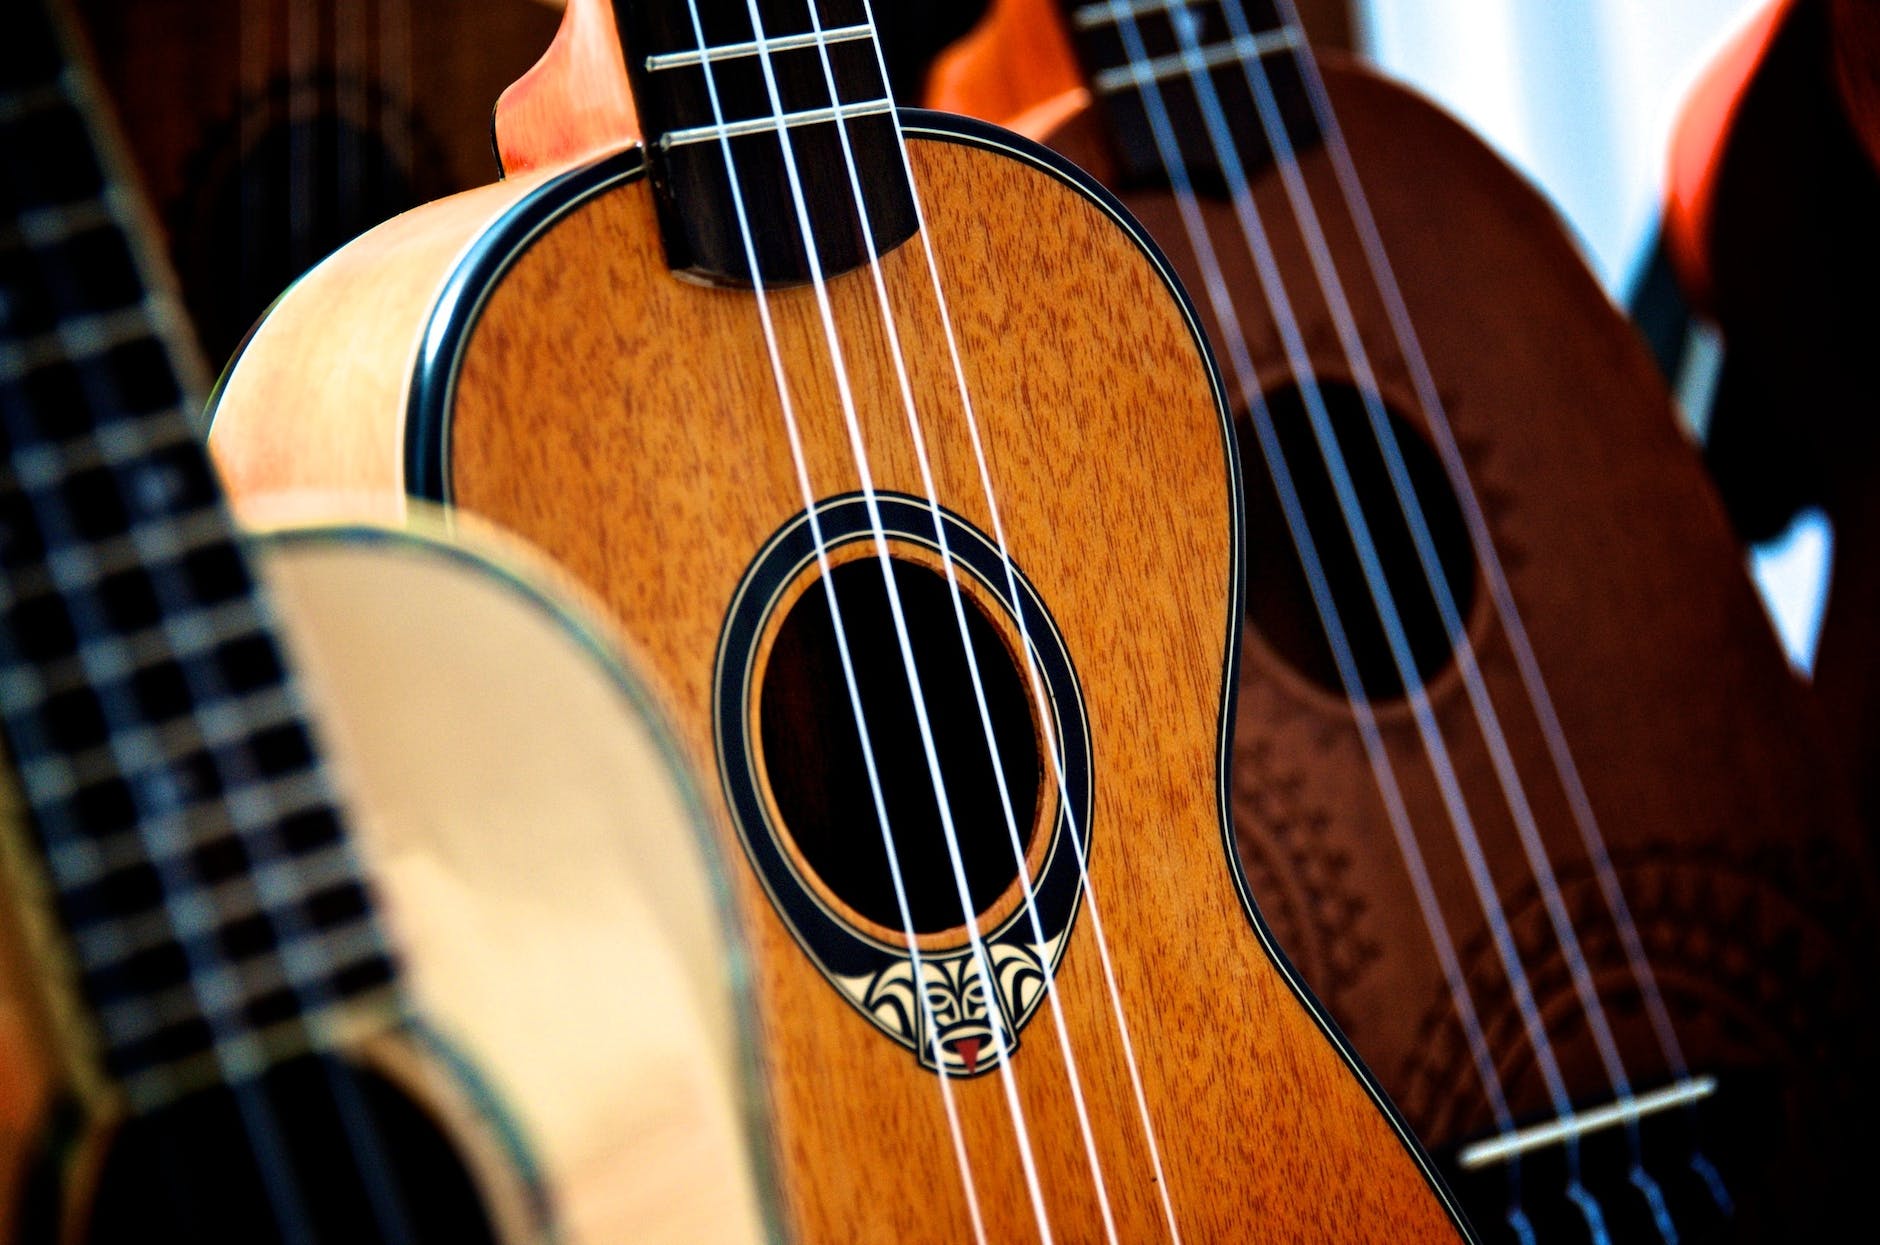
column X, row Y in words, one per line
column 21, row 105
column 753, row 47
column 708, row 107
column 1200, row 59
column 759, row 125
column 196, row 856
column 74, row 341
column 236, row 987
column 83, row 863
column 45, row 226
column 220, row 626
column 179, row 740
column 1151, row 64
column 233, row 901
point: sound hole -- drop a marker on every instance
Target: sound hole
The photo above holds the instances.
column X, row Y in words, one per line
column 312, row 1151
column 1279, row 600
column 818, row 774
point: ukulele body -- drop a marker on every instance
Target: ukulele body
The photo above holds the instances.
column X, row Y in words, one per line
column 526, row 353
column 556, row 907
column 1741, row 864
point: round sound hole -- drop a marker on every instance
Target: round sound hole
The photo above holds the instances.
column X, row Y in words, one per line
column 818, row 772
column 1279, row 599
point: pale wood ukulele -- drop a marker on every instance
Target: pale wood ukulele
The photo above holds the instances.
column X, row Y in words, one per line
column 1547, row 822
column 502, row 1007
column 1039, row 1006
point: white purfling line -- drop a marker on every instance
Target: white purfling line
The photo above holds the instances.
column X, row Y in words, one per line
column 735, row 51
column 1580, row 1123
column 1213, row 56
column 771, row 124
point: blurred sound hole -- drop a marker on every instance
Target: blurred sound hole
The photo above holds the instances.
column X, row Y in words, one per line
column 1279, row 600
column 302, row 172
column 815, row 764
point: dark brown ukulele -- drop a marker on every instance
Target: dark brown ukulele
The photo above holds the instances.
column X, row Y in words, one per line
column 1775, row 187
column 895, row 446
column 1520, row 777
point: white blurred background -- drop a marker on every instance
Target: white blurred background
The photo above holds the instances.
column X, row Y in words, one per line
column 1582, row 96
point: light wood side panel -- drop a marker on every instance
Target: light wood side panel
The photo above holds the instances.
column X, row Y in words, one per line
column 315, row 400
column 628, row 423
column 573, row 102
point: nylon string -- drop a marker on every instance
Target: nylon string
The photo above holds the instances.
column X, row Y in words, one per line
column 1383, row 600
column 799, row 459
column 1449, row 786
column 157, row 806
column 1040, row 694
column 858, row 451
column 919, row 444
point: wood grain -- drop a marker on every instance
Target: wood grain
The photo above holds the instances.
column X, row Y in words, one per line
column 628, row 423
column 573, row 102
column 541, row 866
column 1727, row 816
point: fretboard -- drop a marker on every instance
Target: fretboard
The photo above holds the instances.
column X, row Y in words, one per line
column 1150, row 64
column 177, row 802
column 674, row 76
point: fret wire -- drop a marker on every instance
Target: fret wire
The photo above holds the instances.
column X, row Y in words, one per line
column 750, row 47
column 1131, row 76
column 200, row 729
column 105, row 946
column 247, row 1052
column 218, row 995
column 86, row 568
column 131, row 652
column 55, row 223
column 76, row 339
column 86, row 861
column 789, row 120
column 15, row 105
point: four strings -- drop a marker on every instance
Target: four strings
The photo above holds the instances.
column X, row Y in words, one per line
column 1277, row 300
column 1585, row 820
column 858, row 452
column 787, row 404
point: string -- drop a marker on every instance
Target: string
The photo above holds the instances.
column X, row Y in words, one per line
column 859, row 454
column 800, row 462
column 1430, row 401
column 959, row 610
column 1040, row 694
column 1201, row 243
column 163, row 804
column 1352, row 344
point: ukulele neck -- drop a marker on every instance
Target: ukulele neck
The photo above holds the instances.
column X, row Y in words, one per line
column 1177, row 79
column 206, row 909
column 713, row 109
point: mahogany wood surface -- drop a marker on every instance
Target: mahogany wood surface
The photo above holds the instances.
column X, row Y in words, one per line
column 627, row 422
column 1731, row 836
column 542, row 868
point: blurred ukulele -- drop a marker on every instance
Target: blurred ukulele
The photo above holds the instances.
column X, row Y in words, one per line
column 1520, row 777
column 1769, row 223
column 503, row 1011
column 893, row 444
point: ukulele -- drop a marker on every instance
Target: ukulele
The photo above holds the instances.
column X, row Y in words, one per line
column 505, row 1010
column 893, row 445
column 1520, row 777
column 1773, row 187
